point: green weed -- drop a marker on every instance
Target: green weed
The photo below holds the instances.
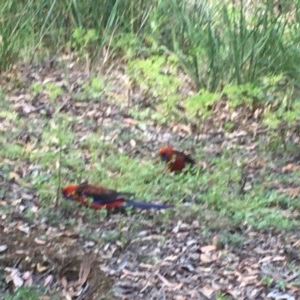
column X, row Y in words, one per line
column 25, row 293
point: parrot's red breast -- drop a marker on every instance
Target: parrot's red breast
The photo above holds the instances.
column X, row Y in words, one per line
column 176, row 160
column 70, row 192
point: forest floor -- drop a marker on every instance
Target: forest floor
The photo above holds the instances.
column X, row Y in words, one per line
column 233, row 233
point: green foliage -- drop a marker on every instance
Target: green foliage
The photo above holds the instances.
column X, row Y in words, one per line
column 51, row 88
column 131, row 46
column 216, row 44
column 40, row 27
column 82, row 39
column 232, row 239
column 282, row 285
column 14, row 31
column 54, row 156
column 158, row 77
column 250, row 44
column 88, row 157
column 269, row 218
column 271, row 119
column 281, row 116
column 13, row 151
column 93, row 88
column 268, row 281
column 281, row 101
column 36, row 88
column 157, row 73
column 221, row 296
column 199, row 103
column 242, row 94
column 25, row 293
column 8, row 115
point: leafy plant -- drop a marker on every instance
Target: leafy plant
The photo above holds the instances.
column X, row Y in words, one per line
column 84, row 40
column 198, row 104
column 268, row 281
column 93, row 88
column 157, row 76
column 243, row 94
column 25, row 293
column 232, row 239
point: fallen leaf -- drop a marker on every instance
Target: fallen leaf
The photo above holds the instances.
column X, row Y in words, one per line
column 247, row 279
column 208, row 258
column 277, row 295
column 171, row 258
column 39, row 241
column 41, row 268
column 132, row 143
column 14, row 276
column 174, row 286
column 3, row 248
column 13, row 176
column 24, row 228
column 207, row 291
column 208, row 248
column 48, row 280
column 27, row 277
column 291, row 167
column 85, row 269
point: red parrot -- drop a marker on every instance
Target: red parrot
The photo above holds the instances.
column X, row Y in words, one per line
column 175, row 160
column 103, row 198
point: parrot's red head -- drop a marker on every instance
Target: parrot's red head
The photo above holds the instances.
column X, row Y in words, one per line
column 166, row 153
column 69, row 190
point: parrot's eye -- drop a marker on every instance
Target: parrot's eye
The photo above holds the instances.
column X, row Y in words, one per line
column 164, row 156
column 68, row 194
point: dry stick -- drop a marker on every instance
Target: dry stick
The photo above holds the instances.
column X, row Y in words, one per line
column 60, row 149
column 232, row 163
column 59, row 171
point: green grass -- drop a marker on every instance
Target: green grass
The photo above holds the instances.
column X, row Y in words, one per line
column 214, row 43
column 219, row 192
column 59, row 155
column 25, row 293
